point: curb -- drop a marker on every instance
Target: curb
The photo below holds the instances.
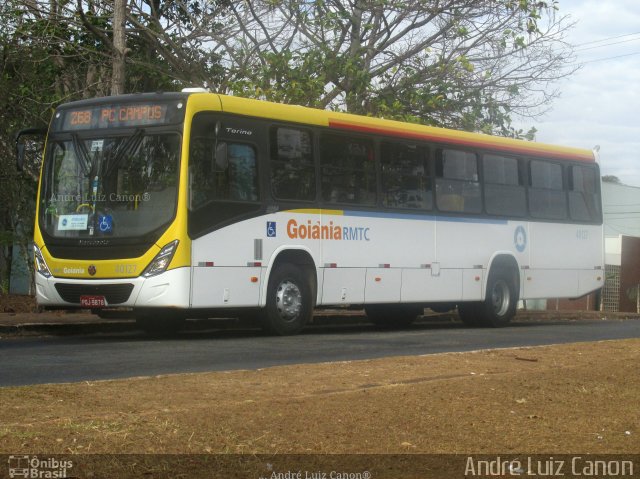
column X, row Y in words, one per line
column 324, row 319
column 63, row 329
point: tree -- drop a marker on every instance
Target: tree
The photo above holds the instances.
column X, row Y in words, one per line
column 467, row 64
column 20, row 99
column 161, row 44
column 611, row 179
column 119, row 46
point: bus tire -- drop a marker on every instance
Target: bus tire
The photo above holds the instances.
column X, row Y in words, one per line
column 393, row 316
column 289, row 300
column 501, row 301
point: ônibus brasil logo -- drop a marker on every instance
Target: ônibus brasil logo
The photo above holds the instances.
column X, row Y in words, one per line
column 35, row 467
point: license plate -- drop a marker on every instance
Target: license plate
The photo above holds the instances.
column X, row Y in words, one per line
column 92, row 301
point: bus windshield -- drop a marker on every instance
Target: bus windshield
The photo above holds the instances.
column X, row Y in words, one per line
column 117, row 186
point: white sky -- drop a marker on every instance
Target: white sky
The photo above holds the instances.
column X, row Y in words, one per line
column 600, row 104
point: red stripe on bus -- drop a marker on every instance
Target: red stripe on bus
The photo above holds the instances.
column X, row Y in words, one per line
column 523, row 149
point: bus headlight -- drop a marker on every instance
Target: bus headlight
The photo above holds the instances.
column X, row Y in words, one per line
column 160, row 263
column 40, row 263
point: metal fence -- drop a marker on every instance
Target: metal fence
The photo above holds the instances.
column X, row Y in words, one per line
column 611, row 290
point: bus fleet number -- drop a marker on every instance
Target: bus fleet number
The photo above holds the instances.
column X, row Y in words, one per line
column 582, row 234
column 126, row 268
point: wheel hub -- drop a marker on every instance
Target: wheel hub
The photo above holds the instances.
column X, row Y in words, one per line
column 501, row 298
column 288, row 300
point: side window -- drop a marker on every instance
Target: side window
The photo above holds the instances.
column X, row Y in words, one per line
column 547, row 199
column 457, row 184
column 405, row 176
column 292, row 168
column 348, row 170
column 242, row 172
column 584, row 196
column 222, row 171
column 504, row 193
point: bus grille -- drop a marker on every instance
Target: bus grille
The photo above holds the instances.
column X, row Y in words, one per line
column 113, row 293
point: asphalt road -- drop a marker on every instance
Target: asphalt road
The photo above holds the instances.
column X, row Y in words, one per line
column 37, row 360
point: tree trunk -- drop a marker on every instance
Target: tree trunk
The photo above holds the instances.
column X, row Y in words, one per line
column 119, row 47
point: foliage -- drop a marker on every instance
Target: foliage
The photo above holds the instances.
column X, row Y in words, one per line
column 611, row 179
column 466, row 64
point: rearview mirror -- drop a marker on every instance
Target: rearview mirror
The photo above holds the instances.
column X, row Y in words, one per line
column 22, row 150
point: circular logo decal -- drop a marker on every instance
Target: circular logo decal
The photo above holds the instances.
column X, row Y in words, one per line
column 520, row 239
column 92, row 270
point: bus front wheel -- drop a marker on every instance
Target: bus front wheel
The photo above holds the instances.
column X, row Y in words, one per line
column 289, row 300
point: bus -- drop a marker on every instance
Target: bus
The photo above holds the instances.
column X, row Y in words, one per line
column 192, row 204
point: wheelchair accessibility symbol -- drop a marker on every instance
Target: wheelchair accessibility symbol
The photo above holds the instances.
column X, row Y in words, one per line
column 105, row 224
column 520, row 239
column 271, row 229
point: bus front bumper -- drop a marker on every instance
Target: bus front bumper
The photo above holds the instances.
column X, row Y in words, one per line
column 167, row 290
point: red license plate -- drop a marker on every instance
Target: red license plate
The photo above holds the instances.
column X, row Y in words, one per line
column 92, row 301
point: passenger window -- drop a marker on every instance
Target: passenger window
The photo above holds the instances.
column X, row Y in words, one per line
column 584, row 196
column 406, row 181
column 348, row 170
column 501, row 170
column 504, row 194
column 292, row 167
column 457, row 185
column 547, row 199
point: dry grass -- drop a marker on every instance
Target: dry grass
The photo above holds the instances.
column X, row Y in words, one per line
column 578, row 398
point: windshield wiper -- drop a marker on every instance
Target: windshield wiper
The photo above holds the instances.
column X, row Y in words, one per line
column 82, row 154
column 131, row 144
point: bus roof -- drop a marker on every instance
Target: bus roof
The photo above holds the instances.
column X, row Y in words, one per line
column 128, row 98
column 199, row 101
column 357, row 123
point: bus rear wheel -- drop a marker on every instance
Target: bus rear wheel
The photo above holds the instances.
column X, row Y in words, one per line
column 500, row 303
column 289, row 300
column 393, row 316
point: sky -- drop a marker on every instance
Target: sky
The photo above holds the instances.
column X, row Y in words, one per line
column 600, row 104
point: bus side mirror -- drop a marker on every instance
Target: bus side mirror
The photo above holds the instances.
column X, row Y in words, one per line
column 21, row 147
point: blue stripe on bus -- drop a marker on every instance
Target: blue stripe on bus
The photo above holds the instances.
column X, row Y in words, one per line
column 409, row 216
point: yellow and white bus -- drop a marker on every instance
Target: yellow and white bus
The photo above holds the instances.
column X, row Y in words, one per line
column 177, row 205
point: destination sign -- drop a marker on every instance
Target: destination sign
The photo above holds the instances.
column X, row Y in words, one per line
column 116, row 116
